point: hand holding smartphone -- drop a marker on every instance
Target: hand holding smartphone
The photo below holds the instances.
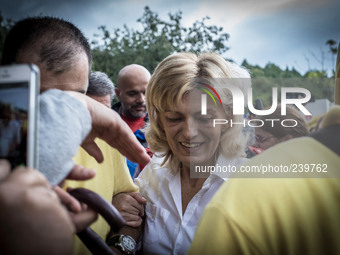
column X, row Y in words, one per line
column 19, row 109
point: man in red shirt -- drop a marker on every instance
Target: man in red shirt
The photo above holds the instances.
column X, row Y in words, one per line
column 130, row 91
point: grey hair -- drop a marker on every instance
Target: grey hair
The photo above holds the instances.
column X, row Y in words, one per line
column 100, row 85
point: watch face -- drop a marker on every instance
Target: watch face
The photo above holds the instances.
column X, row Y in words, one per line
column 129, row 243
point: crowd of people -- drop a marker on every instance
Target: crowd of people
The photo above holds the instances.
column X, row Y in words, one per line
column 142, row 155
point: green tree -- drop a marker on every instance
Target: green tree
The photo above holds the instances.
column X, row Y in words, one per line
column 270, row 70
column 273, row 76
column 333, row 49
column 157, row 39
column 315, row 74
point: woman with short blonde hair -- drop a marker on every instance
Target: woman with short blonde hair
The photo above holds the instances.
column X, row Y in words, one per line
column 174, row 77
column 183, row 137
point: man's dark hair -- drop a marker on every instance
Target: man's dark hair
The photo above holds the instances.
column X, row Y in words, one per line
column 54, row 41
column 100, row 85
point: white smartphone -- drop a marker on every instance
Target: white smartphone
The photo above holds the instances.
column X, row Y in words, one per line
column 19, row 109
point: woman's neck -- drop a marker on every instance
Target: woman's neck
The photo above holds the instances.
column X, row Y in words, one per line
column 192, row 182
column 189, row 187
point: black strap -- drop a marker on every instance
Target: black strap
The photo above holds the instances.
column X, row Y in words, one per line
column 91, row 239
column 94, row 242
column 329, row 136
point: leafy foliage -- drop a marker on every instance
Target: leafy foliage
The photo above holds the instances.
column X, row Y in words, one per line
column 157, row 39
column 271, row 70
column 332, row 46
column 264, row 79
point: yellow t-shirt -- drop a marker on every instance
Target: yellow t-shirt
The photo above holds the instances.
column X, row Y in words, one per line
column 112, row 178
column 276, row 215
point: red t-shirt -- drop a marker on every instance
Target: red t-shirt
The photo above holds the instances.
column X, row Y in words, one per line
column 133, row 123
column 136, row 124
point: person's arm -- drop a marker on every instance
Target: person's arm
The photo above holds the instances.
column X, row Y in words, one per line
column 32, row 219
column 131, row 207
column 120, row 242
column 26, row 199
column 109, row 126
column 68, row 119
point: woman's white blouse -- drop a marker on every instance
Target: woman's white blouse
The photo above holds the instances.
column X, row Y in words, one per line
column 166, row 230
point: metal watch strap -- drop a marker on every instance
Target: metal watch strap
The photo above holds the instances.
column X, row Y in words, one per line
column 115, row 241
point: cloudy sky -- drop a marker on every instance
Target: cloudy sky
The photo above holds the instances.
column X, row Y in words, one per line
column 285, row 32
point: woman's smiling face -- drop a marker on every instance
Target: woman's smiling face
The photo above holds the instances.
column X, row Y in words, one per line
column 191, row 135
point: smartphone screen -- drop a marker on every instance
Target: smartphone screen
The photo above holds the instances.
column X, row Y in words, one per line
column 18, row 116
column 13, row 122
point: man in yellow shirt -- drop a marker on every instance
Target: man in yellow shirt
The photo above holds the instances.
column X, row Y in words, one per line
column 281, row 215
column 112, row 177
column 64, row 58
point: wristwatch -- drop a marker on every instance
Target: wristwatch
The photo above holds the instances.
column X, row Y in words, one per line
column 124, row 243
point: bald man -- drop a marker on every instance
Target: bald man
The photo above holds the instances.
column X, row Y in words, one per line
column 130, row 91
